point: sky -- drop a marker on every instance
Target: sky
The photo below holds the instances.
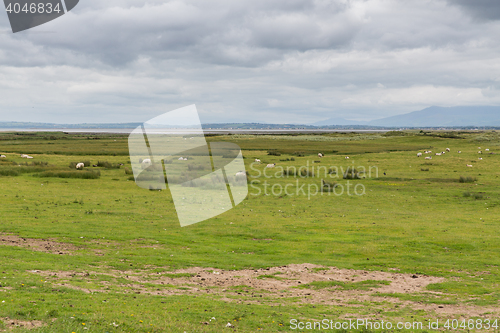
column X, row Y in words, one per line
column 280, row 61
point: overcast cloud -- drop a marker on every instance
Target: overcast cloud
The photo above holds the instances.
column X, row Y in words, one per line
column 282, row 61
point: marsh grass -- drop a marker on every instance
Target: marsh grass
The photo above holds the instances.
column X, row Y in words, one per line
column 70, row 174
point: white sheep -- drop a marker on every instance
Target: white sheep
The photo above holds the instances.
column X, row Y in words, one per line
column 479, row 152
column 448, row 149
column 80, row 166
column 146, row 163
column 438, row 154
column 320, row 155
column 3, row 156
column 460, row 152
column 428, row 158
column 487, row 149
column 419, row 154
column 241, row 174
column 470, row 166
column 480, row 158
column 257, row 160
column 347, row 157
column 271, row 165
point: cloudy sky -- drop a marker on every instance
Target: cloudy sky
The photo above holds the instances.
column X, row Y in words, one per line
column 281, row 61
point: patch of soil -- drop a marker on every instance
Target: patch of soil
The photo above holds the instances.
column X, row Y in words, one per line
column 276, row 284
column 15, row 323
column 36, row 244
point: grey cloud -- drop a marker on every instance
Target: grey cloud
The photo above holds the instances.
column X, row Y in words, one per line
column 267, row 61
column 479, row 9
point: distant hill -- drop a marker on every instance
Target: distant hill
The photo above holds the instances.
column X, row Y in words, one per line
column 434, row 116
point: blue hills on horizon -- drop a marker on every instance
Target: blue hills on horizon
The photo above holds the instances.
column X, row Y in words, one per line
column 434, row 116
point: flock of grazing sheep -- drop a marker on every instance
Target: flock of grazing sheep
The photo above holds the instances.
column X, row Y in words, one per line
column 448, row 150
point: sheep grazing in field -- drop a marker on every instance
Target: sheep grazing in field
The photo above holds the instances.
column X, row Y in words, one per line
column 347, row 157
column 257, row 160
column 443, row 152
column 80, row 166
column 419, row 154
column 487, row 149
column 427, row 152
column 448, row 149
column 479, row 152
column 24, row 156
column 146, row 163
column 27, row 156
column 185, row 159
column 480, row 158
column 3, row 156
column 438, row 154
column 460, row 152
column 428, row 158
column 469, row 165
column 320, row 155
column 181, row 158
column 241, row 174
column 94, row 165
column 271, row 165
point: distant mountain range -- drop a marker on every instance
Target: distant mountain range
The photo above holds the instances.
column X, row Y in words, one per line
column 434, row 116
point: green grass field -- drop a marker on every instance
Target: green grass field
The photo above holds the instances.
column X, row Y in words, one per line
column 99, row 254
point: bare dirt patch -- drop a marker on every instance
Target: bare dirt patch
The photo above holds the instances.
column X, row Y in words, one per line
column 40, row 245
column 303, row 283
column 15, row 323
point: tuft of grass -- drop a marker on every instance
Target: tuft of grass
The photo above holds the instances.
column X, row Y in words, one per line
column 273, row 153
column 107, row 165
column 327, row 186
column 361, row 285
column 476, row 196
column 179, row 275
column 128, row 171
column 352, row 173
column 467, row 179
column 426, row 169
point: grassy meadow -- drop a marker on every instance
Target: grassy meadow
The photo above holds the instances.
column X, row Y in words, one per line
column 109, row 241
